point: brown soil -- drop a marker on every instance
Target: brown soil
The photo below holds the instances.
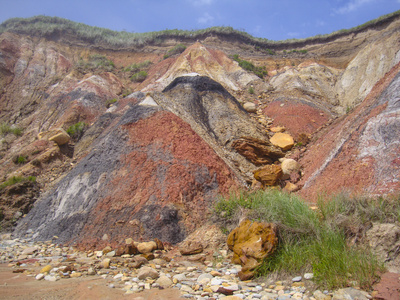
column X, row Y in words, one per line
column 21, row 286
column 389, row 287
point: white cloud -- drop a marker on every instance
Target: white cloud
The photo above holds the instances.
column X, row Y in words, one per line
column 205, row 18
column 352, row 5
column 201, row 2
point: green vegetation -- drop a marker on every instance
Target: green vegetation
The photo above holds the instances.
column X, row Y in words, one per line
column 248, row 66
column 303, row 51
column 76, row 131
column 110, row 102
column 44, row 26
column 21, row 159
column 15, row 179
column 175, row 50
column 95, row 62
column 315, row 240
column 251, row 90
column 139, row 76
column 137, row 67
column 6, row 129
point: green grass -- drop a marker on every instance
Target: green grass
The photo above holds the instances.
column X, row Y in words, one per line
column 309, row 241
column 139, row 76
column 110, row 102
column 175, row 50
column 21, row 160
column 95, row 62
column 16, row 179
column 44, row 26
column 6, row 129
column 248, row 66
column 76, row 130
column 139, row 66
column 251, row 90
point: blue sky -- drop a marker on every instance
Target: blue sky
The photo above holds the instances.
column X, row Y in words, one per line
column 271, row 19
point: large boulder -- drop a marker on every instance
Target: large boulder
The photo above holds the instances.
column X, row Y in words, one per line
column 259, row 152
column 268, row 175
column 251, row 243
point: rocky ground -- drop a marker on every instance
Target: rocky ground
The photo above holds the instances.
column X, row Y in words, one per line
column 46, row 270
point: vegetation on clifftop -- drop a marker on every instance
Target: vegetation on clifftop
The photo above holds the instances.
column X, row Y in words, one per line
column 49, row 27
column 315, row 240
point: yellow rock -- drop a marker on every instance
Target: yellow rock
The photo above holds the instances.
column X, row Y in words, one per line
column 75, row 275
column 268, row 175
column 282, row 140
column 277, row 129
column 46, row 269
column 251, row 243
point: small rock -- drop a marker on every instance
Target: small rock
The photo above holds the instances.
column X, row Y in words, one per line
column 146, row 247
column 111, row 254
column 50, row 278
column 145, row 272
column 29, row 250
column 297, row 279
column 282, row 140
column 308, row 276
column 46, row 269
column 105, row 263
column 190, row 248
column 39, row 276
column 205, row 276
column 75, row 275
column 277, row 129
column 250, row 107
column 164, row 281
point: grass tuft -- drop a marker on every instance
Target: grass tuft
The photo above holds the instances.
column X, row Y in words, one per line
column 309, row 241
column 16, row 179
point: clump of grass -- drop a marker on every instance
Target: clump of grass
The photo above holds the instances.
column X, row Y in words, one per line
column 175, row 50
column 95, row 62
column 76, row 130
column 139, row 66
column 16, row 179
column 21, row 160
column 139, row 76
column 251, row 90
column 110, row 102
column 307, row 241
column 6, row 129
column 248, row 66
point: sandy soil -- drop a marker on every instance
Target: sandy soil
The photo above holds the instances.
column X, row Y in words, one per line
column 21, row 286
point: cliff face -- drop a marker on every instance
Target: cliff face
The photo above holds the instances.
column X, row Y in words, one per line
column 152, row 155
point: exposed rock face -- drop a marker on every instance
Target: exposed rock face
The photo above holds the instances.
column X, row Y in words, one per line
column 199, row 60
column 151, row 164
column 150, row 176
column 352, row 153
column 251, row 243
column 215, row 115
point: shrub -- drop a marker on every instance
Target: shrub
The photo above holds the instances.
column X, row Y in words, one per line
column 139, row 76
column 76, row 131
column 137, row 67
column 307, row 241
column 251, row 90
column 111, row 101
column 95, row 62
column 6, row 129
column 21, row 159
column 248, row 66
column 16, row 179
column 175, row 50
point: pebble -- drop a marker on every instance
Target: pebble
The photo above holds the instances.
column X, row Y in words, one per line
column 297, row 279
column 194, row 280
